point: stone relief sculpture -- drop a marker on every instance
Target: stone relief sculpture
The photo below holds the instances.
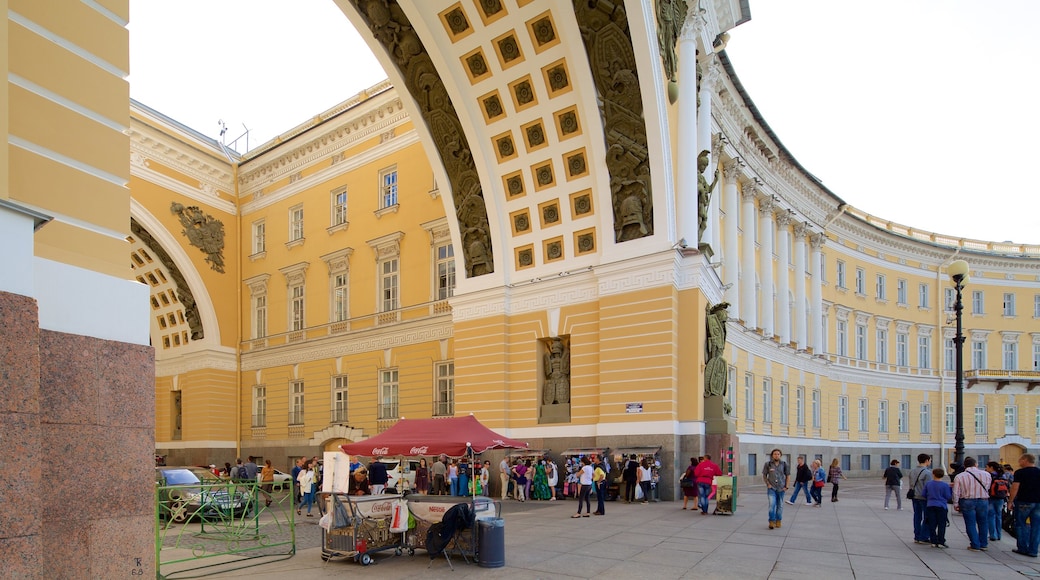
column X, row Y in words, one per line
column 184, row 295
column 608, row 46
column 716, row 369
column 704, row 190
column 391, row 27
column 670, row 17
column 203, row 231
column 557, row 363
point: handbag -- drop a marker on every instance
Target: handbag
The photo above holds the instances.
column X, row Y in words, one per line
column 910, row 492
column 818, row 483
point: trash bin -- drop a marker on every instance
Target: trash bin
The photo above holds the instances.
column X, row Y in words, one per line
column 491, row 543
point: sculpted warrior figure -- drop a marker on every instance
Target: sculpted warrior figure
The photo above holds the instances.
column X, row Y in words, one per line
column 557, row 387
column 715, row 370
column 704, row 190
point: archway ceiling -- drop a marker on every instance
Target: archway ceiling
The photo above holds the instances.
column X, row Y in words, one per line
column 528, row 108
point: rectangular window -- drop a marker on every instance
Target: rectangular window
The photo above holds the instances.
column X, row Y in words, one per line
column 259, row 406
column 951, row 422
column 861, row 281
column 445, row 271
column 752, row 464
column 1036, row 306
column 388, row 281
column 1009, row 304
column 904, row 417
column 296, row 403
column 924, row 352
column 842, row 338
column 296, row 223
column 863, row 415
column 882, row 345
column 882, row 416
column 816, row 409
column 340, row 311
column 259, row 237
column 749, row 397
column 902, row 349
column 843, row 413
column 767, row 400
column 980, row 420
column 823, row 268
column 339, row 399
column 861, row 341
column 339, row 207
column 864, row 462
column 1036, row 424
column 901, row 291
column 799, row 406
column 926, row 418
column 1010, row 420
column 296, row 306
column 388, row 394
column 841, row 275
column 444, row 397
column 880, row 289
column 949, row 355
column 922, row 295
column 1036, row 357
column 846, row 462
column 731, row 390
column 388, row 188
column 784, row 420
column 1010, row 356
column 978, row 354
column 260, row 316
column 949, row 296
column 977, row 302
column 886, row 460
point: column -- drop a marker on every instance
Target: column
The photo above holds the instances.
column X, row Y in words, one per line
column 748, row 299
column 714, row 208
column 710, row 74
column 783, row 277
column 801, row 331
column 686, row 149
column 765, row 262
column 816, row 292
column 730, row 257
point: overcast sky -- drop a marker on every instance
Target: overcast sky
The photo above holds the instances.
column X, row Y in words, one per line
column 923, row 112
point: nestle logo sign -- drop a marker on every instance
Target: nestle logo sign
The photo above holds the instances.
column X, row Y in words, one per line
column 419, row 450
column 380, row 450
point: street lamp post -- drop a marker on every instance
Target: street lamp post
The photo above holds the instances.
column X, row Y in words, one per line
column 958, row 271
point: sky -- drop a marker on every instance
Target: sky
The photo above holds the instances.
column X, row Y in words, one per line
column 922, row 112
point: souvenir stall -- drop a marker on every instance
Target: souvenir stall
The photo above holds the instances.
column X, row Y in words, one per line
column 653, row 459
column 571, row 464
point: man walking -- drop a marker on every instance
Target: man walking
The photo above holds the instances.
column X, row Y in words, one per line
column 802, row 477
column 971, row 498
column 705, row 472
column 775, row 473
column 1025, row 501
column 629, row 476
column 919, row 477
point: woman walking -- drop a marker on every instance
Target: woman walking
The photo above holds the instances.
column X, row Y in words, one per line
column 818, row 481
column 688, row 482
column 833, row 475
column 267, row 481
column 584, row 487
column 306, row 479
column 422, row 477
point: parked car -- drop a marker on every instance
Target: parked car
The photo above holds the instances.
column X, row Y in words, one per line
column 182, row 495
column 393, row 472
column 281, row 480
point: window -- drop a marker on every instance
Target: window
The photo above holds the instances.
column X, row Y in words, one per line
column 901, row 292
column 978, row 354
column 339, row 207
column 863, row 415
column 749, row 397
column 767, row 400
column 339, row 399
column 445, row 271
column 880, row 289
column 861, row 341
column 296, row 403
column 731, row 390
column 864, row 462
column 951, row 423
column 861, row 281
column 882, row 345
column 752, row 464
column 1036, row 306
column 882, row 416
column 977, row 302
column 388, row 188
column 444, row 397
column 980, row 420
column 823, row 268
column 259, row 237
column 1010, row 356
column 846, row 462
column 296, row 223
column 904, row 417
column 902, row 349
column 922, row 295
column 1036, row 357
column 784, row 420
column 949, row 354
column 843, row 413
column 296, row 307
column 816, row 419
column 1010, row 420
column 926, row 418
column 799, row 406
column 388, row 394
column 841, row 275
column 259, row 406
column 948, row 298
column 842, row 338
column 260, row 316
column 924, row 352
column 340, row 311
column 388, row 285
column 886, row 459
column 1009, row 304
column 1036, row 426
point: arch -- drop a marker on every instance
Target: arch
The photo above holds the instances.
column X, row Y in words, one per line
column 336, row 432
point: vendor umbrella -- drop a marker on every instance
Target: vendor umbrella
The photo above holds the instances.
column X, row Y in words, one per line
column 451, row 436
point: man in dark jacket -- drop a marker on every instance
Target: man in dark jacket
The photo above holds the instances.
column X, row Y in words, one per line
column 802, row 477
column 628, row 475
column 377, row 476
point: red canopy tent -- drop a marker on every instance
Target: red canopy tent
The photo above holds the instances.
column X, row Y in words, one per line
column 448, row 436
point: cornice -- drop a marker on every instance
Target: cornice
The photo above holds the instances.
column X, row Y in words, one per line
column 152, row 144
column 204, row 194
column 204, row 359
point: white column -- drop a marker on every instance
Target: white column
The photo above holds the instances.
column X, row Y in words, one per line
column 714, row 208
column 816, row 294
column 765, row 262
column 748, row 292
column 686, row 150
column 730, row 257
column 783, row 277
column 710, row 74
column 801, row 332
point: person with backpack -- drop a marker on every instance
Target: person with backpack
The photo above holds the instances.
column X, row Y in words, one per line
column 919, row 477
column 628, row 475
column 998, row 493
column 240, row 471
column 776, row 473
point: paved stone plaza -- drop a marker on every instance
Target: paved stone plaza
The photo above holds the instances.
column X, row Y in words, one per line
column 854, row 538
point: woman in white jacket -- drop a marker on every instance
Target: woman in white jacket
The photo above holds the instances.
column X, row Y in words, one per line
column 306, row 481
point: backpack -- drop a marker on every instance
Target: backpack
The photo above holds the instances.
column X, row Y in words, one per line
column 998, row 489
column 242, row 473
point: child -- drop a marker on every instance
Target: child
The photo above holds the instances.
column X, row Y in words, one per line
column 937, row 493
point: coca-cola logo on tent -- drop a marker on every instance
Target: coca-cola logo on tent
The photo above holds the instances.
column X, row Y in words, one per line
column 420, row 450
column 380, row 450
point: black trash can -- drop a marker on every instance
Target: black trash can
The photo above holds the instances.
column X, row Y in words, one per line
column 491, row 543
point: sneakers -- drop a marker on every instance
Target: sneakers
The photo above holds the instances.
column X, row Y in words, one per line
column 834, row 499
column 808, row 503
column 886, row 507
column 790, row 502
column 974, row 549
column 940, row 546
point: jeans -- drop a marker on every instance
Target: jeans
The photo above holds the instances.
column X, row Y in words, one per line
column 1028, row 534
column 817, row 494
column 454, row 484
column 703, row 491
column 935, row 522
column 799, row 486
column 463, row 484
column 601, row 495
column 996, row 518
column 976, row 522
column 630, row 490
column 776, row 504
column 308, row 501
column 920, row 529
column 583, row 496
column 890, row 489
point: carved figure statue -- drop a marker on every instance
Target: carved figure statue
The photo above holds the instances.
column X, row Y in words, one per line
column 704, row 190
column 203, row 231
column 670, row 17
column 716, row 370
column 632, row 225
column 557, row 387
